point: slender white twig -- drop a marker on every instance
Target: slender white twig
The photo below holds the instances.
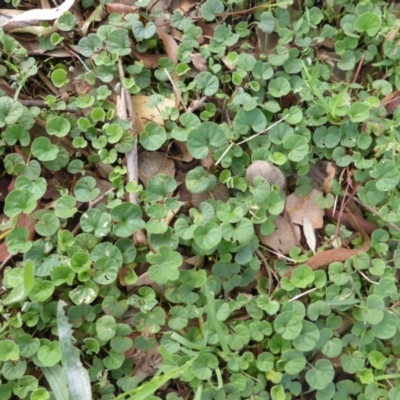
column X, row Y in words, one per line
column 132, row 167
column 302, row 294
column 177, row 91
column 250, row 138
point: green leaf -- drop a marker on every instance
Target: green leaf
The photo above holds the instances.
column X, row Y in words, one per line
column 321, row 375
column 153, row 137
column 159, row 187
column 8, row 350
column 279, row 87
column 265, row 362
column 288, row 324
column 118, row 42
column 13, row 371
column 19, row 201
column 10, row 111
column 77, row 377
column 208, row 136
column 15, row 133
column 211, row 8
column 41, row 290
column 21, row 292
column 141, row 32
column 17, row 240
column 246, row 120
column 348, row 61
column 197, row 181
column 106, row 327
column 47, row 225
column 375, row 309
column 208, row 235
column 43, row 150
column 59, row 77
column 85, row 189
column 352, row 363
column 359, row 112
column 49, row 354
column 129, row 219
column 207, row 82
column 203, row 365
column 37, row 187
column 387, row 175
column 368, row 22
column 165, row 264
column 90, row 44
column 58, row 126
column 267, row 22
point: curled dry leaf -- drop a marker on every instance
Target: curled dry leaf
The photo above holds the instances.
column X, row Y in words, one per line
column 185, row 156
column 300, row 207
column 268, row 171
column 148, row 363
column 153, row 163
column 186, row 5
column 199, row 62
column 145, row 114
column 220, row 192
column 309, row 234
column 284, row 237
column 42, row 14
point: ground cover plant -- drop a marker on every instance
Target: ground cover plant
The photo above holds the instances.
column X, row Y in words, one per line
column 169, row 169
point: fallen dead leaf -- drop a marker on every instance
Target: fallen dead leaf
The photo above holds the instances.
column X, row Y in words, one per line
column 309, row 234
column 220, row 192
column 185, row 156
column 266, row 170
column 145, row 114
column 151, row 164
column 42, row 14
column 199, row 62
column 298, row 208
column 284, row 237
column 186, row 5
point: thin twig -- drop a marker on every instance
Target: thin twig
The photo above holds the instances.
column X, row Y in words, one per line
column 302, row 294
column 357, row 72
column 176, row 90
column 243, row 12
column 6, row 260
column 250, row 138
column 269, row 271
column 132, row 156
column 92, row 204
column 376, row 213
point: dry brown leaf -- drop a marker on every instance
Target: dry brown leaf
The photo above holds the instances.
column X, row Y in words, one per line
column 284, row 237
column 121, row 8
column 300, row 207
column 149, row 60
column 267, row 171
column 207, row 162
column 24, row 221
column 96, row 15
column 309, row 234
column 199, row 62
column 148, row 363
column 42, row 14
column 330, row 176
column 145, row 114
column 186, row 5
column 153, row 163
column 220, row 192
column 185, row 156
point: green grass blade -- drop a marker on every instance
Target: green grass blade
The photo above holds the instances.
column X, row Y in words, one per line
column 56, row 378
column 77, row 377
